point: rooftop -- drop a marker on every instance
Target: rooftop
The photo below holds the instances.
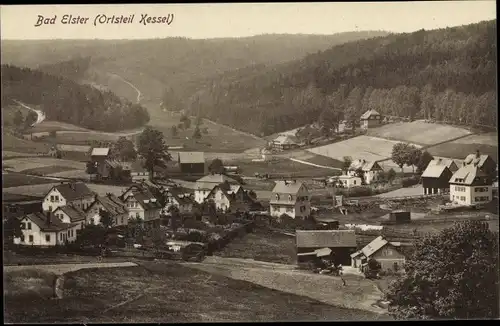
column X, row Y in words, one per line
column 434, row 170
column 364, row 165
column 467, row 175
column 287, row 187
column 100, row 151
column 368, row 114
column 74, row 190
column 191, row 157
column 325, row 238
column 40, row 219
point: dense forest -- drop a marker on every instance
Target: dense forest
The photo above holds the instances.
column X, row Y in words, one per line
column 446, row 75
column 65, row 100
column 74, row 69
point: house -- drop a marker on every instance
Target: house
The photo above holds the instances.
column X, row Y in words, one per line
column 184, row 202
column 449, row 163
column 44, row 230
column 470, row 186
column 398, row 217
column 291, row 198
column 435, row 179
column 284, row 142
column 386, row 253
column 116, row 170
column 141, row 204
column 229, row 198
column 342, row 244
column 370, row 118
column 110, row 203
column 205, row 185
column 98, row 157
column 484, row 162
column 192, row 162
column 348, row 181
column 370, row 170
column 70, row 214
column 72, row 193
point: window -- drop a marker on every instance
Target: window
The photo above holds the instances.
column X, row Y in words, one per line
column 137, row 215
column 60, row 236
column 277, row 197
column 23, row 226
column 29, row 225
column 354, row 181
column 50, row 208
column 30, row 238
column 22, row 237
column 56, row 198
column 462, row 198
column 47, row 238
column 52, row 198
column 122, row 220
column 290, row 197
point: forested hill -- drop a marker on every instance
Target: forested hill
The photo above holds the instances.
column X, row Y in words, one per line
column 446, row 74
column 74, row 69
column 65, row 100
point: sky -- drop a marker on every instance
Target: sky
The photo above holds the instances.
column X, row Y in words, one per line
column 239, row 19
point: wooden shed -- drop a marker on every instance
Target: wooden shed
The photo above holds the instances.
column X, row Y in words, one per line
column 342, row 244
column 400, row 217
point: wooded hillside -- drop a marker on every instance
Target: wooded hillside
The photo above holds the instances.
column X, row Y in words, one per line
column 65, row 100
column 446, row 75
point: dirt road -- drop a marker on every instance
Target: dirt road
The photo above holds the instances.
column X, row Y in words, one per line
column 359, row 293
column 60, row 269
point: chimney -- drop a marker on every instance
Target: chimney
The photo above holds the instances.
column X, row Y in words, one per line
column 49, row 218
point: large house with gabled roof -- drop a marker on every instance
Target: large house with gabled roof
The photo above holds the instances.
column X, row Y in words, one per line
column 141, row 203
column 485, row 163
column 71, row 214
column 71, row 193
column 291, row 198
column 370, row 170
column 205, row 185
column 45, row 230
column 229, row 198
column 470, row 186
column 110, row 203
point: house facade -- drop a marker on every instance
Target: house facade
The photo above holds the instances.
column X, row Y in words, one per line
column 485, row 163
column 370, row 118
column 370, row 170
column 348, row 181
column 192, row 162
column 230, row 199
column 110, row 203
column 183, row 202
column 70, row 214
column 291, row 198
column 342, row 244
column 204, row 185
column 141, row 204
column 470, row 186
column 386, row 253
column 284, row 142
column 76, row 194
column 435, row 179
column 44, row 230
column 98, row 157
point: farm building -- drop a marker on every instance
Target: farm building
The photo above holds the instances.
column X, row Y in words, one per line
column 139, row 173
column 436, row 179
column 110, row 203
column 398, row 217
column 326, row 223
column 470, row 186
column 348, row 181
column 342, row 244
column 370, row 118
column 446, row 162
column 485, row 163
column 291, row 198
column 98, row 157
column 229, row 198
column 70, row 214
column 184, row 202
column 18, row 205
column 370, row 170
column 385, row 252
column 192, row 162
column 72, row 193
column 44, row 230
column 141, row 204
column 205, row 185
column 284, row 142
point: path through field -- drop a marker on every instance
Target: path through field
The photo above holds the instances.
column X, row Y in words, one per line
column 139, row 94
column 60, row 269
column 316, row 165
column 359, row 293
column 40, row 116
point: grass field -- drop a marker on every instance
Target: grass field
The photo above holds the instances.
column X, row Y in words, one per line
column 14, row 144
column 262, row 245
column 459, row 149
column 172, row 293
column 418, row 132
column 14, row 180
column 28, row 284
column 29, row 163
column 282, row 167
column 361, row 147
column 48, row 170
column 42, row 189
column 47, row 126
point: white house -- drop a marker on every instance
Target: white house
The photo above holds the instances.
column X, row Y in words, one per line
column 110, row 203
column 470, row 186
column 76, row 194
column 348, row 181
column 44, row 230
column 386, row 253
column 291, row 198
column 205, row 185
column 70, row 214
column 370, row 170
column 183, row 202
column 228, row 198
column 141, row 203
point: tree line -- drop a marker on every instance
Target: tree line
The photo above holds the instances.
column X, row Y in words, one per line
column 447, row 75
column 65, row 100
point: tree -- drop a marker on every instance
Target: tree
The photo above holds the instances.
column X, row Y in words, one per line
column 216, row 166
column 424, row 161
column 124, row 149
column 91, row 167
column 372, row 268
column 12, row 228
column 174, row 131
column 30, row 119
column 196, row 133
column 152, row 149
column 91, row 235
column 18, row 119
column 450, row 275
column 391, row 175
column 414, row 155
column 329, row 120
column 106, row 218
column 346, row 163
column 400, row 154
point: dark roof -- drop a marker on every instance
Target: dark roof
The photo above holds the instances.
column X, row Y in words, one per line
column 75, row 214
column 368, row 114
column 112, row 204
column 325, row 238
column 40, row 220
column 365, row 166
column 74, row 191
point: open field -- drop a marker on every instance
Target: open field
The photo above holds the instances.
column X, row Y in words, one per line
column 282, row 167
column 172, row 293
column 42, row 189
column 22, row 164
column 418, row 132
column 12, row 154
column 459, row 149
column 47, row 126
column 12, row 143
column 77, row 174
column 48, row 170
column 361, row 147
column 14, row 180
column 262, row 245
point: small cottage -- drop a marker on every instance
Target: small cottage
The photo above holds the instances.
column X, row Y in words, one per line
column 386, row 253
column 370, row 170
column 192, row 162
column 342, row 244
column 110, row 203
column 348, row 181
column 141, row 204
column 284, row 142
column 229, row 198
column 370, row 118
column 205, row 185
column 183, row 202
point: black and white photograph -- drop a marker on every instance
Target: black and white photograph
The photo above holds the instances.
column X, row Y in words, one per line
column 250, row 162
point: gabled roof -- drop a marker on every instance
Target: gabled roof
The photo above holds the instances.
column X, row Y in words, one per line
column 73, row 191
column 374, row 246
column 468, row 174
column 446, row 162
column 365, row 166
column 285, row 140
column 180, row 197
column 100, row 151
column 74, row 213
column 434, row 171
column 144, row 197
column 476, row 159
column 368, row 114
column 287, row 187
column 191, row 157
column 40, row 220
column 325, row 238
column 228, row 193
column 111, row 204
column 217, row 179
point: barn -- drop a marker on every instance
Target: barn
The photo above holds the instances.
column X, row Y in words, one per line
column 192, row 162
column 342, row 244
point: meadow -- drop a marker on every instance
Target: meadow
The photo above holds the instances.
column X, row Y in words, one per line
column 459, row 149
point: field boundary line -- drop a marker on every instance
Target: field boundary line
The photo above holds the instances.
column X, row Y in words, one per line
column 315, row 165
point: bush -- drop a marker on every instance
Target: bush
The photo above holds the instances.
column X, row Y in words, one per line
column 411, row 181
column 360, row 191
